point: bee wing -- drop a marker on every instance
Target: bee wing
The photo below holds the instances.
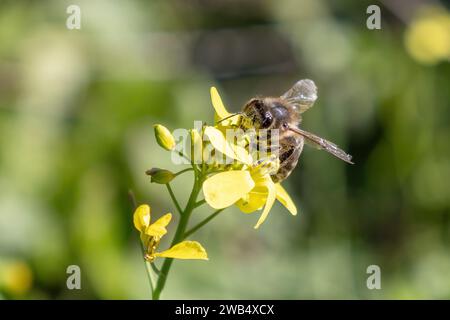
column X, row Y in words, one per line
column 302, row 95
column 323, row 144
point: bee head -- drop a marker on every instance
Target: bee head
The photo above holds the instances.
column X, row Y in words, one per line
column 267, row 113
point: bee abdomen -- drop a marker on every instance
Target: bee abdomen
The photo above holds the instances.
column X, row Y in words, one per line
column 286, row 155
column 285, row 170
column 289, row 155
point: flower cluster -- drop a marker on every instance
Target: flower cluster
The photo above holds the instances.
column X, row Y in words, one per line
column 243, row 182
column 227, row 170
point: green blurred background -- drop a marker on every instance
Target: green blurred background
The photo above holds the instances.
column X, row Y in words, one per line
column 76, row 115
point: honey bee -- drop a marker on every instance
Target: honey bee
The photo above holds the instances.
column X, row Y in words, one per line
column 285, row 114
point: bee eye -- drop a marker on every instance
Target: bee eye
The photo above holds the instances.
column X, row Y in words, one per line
column 267, row 120
column 285, row 125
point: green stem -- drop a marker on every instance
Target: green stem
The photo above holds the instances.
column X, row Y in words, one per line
column 202, row 223
column 148, row 270
column 183, row 171
column 155, row 269
column 149, row 275
column 199, row 203
column 179, row 233
column 147, row 264
column 174, row 199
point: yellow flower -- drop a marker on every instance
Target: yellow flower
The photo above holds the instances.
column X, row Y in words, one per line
column 15, row 277
column 164, row 138
column 250, row 188
column 151, row 234
column 221, row 112
column 427, row 38
column 231, row 150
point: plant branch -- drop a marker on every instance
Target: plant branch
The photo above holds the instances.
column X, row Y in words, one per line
column 183, row 171
column 133, row 201
column 199, row 203
column 181, row 228
column 172, row 195
column 202, row 223
column 155, row 269
column 132, row 198
column 149, row 273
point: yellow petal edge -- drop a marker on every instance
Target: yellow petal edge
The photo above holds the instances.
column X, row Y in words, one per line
column 185, row 250
column 141, row 217
column 285, row 199
column 158, row 229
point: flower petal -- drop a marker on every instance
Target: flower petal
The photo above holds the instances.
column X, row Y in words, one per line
column 221, row 112
column 185, row 250
column 141, row 217
column 241, row 154
column 218, row 104
column 285, row 199
column 225, row 188
column 158, row 229
column 269, row 203
column 254, row 200
column 219, row 142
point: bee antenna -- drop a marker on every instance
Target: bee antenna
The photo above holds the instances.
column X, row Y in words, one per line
column 226, row 118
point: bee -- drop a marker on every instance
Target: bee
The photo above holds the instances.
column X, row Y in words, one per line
column 284, row 113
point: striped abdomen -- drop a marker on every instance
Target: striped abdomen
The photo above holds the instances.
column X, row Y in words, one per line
column 290, row 149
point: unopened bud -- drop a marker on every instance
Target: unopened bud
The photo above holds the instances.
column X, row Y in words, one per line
column 160, row 176
column 164, row 138
column 197, row 146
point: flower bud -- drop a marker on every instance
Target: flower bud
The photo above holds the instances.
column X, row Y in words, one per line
column 164, row 138
column 160, row 176
column 197, row 146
